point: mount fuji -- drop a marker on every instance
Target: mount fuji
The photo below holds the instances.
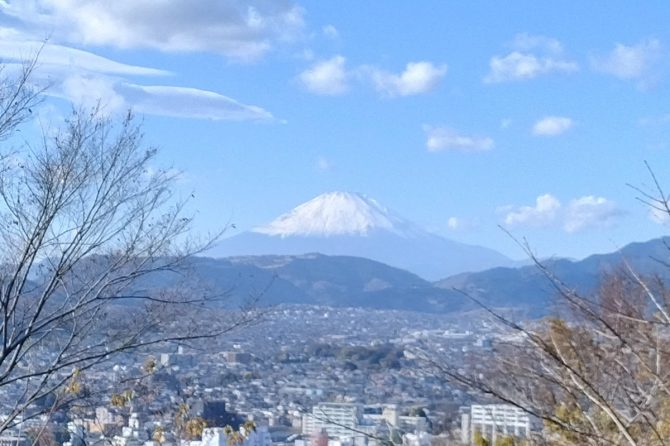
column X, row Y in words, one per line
column 351, row 224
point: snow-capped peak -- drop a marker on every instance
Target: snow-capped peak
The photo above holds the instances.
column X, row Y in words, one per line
column 338, row 213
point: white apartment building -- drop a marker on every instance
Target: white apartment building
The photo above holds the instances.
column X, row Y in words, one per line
column 340, row 420
column 216, row 436
column 131, row 435
column 493, row 421
column 389, row 414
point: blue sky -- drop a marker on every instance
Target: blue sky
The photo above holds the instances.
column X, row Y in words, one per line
column 461, row 116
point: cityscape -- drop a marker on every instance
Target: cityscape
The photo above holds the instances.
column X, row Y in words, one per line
column 308, row 223
column 353, row 375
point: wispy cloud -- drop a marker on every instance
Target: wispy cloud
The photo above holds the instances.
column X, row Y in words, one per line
column 53, row 55
column 579, row 214
column 116, row 94
column 444, row 138
column 531, row 56
column 240, row 30
column 552, row 126
column 331, row 32
column 631, row 62
column 531, row 42
column 189, row 103
column 85, row 78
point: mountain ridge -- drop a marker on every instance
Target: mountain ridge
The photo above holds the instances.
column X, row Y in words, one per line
column 346, row 281
column 351, row 224
column 528, row 287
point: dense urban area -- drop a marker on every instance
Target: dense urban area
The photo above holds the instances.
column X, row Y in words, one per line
column 354, row 375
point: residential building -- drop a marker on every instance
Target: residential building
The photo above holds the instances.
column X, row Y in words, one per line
column 493, row 421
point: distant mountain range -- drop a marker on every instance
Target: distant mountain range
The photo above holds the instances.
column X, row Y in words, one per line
column 317, row 279
column 346, row 249
column 526, row 287
column 359, row 282
column 350, row 224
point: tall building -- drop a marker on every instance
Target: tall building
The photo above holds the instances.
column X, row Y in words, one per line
column 215, row 414
column 493, row 421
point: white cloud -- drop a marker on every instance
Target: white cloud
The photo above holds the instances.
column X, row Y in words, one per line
column 530, row 42
column 441, row 138
column 634, row 62
column 581, row 213
column 544, row 212
column 590, row 211
column 328, row 77
column 523, row 66
column 531, row 57
column 552, row 126
column 331, row 32
column 239, row 29
column 87, row 79
column 88, row 90
column 118, row 95
column 417, row 78
column 332, row 77
column 52, row 55
column 184, row 102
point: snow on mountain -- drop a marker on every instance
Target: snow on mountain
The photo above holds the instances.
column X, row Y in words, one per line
column 338, row 213
column 349, row 224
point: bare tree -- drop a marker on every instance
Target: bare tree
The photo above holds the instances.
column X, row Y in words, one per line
column 85, row 218
column 595, row 373
column 18, row 96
